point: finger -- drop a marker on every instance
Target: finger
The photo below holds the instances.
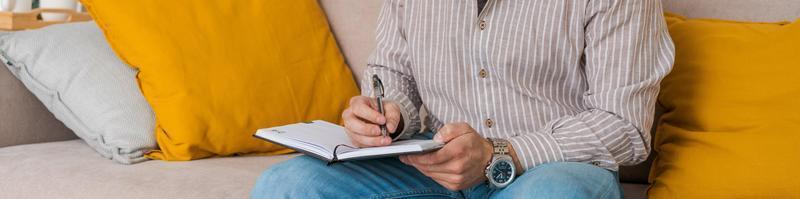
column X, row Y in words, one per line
column 447, row 185
column 452, row 179
column 449, row 181
column 404, row 159
column 437, row 176
column 451, row 131
column 358, row 126
column 359, row 100
column 446, row 182
column 365, row 112
column 365, row 104
column 439, row 160
column 432, row 158
column 368, row 141
column 450, row 167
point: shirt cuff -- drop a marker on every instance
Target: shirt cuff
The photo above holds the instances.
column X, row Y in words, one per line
column 411, row 120
column 536, row 148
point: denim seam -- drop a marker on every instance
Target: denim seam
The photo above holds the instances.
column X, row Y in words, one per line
column 415, row 193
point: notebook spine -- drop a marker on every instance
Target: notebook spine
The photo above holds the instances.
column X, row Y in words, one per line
column 330, row 161
column 336, row 155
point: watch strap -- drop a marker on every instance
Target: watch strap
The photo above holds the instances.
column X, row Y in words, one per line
column 500, row 146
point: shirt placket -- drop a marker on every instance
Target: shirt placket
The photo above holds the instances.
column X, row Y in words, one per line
column 482, row 72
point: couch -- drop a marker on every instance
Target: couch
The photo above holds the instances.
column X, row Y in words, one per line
column 40, row 158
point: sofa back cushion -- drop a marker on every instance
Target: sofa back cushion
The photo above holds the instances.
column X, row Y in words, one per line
column 71, row 68
column 730, row 127
column 216, row 71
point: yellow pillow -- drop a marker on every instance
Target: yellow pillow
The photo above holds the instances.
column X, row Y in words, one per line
column 732, row 123
column 215, row 71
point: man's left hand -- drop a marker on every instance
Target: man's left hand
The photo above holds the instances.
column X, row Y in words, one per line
column 458, row 165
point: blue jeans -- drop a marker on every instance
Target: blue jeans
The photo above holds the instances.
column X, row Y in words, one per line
column 307, row 177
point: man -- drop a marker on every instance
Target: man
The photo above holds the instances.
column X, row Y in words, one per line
column 564, row 89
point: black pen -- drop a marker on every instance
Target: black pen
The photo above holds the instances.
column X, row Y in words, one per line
column 377, row 88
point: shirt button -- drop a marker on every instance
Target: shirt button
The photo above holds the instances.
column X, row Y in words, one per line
column 482, row 24
column 482, row 73
column 489, row 123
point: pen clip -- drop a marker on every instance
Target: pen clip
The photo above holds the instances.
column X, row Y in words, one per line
column 377, row 86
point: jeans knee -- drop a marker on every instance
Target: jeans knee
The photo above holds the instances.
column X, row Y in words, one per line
column 285, row 178
column 569, row 180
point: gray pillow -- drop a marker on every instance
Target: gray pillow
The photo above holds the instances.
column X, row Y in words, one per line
column 77, row 76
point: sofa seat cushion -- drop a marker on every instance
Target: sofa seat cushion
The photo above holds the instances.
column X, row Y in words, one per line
column 70, row 169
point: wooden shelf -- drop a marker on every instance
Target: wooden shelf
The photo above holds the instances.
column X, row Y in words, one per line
column 30, row 20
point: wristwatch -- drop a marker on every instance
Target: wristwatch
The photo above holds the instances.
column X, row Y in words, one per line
column 501, row 170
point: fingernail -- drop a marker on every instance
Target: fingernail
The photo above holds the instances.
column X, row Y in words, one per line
column 385, row 141
column 381, row 120
column 437, row 138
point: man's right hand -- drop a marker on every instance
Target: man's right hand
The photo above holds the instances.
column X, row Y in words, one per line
column 362, row 118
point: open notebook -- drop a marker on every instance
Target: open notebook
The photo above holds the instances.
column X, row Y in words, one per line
column 329, row 142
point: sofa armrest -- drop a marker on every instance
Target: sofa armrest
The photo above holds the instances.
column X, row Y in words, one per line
column 23, row 118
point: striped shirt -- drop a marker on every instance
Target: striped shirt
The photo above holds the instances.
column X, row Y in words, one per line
column 562, row 80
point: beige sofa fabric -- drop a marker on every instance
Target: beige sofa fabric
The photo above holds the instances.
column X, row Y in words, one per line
column 70, row 169
column 740, row 10
column 23, row 118
column 353, row 22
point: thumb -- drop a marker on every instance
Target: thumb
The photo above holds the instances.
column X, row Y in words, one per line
column 392, row 116
column 449, row 132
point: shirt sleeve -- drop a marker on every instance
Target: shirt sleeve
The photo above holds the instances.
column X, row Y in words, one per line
column 628, row 52
column 391, row 63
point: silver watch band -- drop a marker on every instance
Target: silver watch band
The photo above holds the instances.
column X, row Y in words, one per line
column 500, row 146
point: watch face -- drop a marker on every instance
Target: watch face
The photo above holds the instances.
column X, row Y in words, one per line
column 502, row 172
